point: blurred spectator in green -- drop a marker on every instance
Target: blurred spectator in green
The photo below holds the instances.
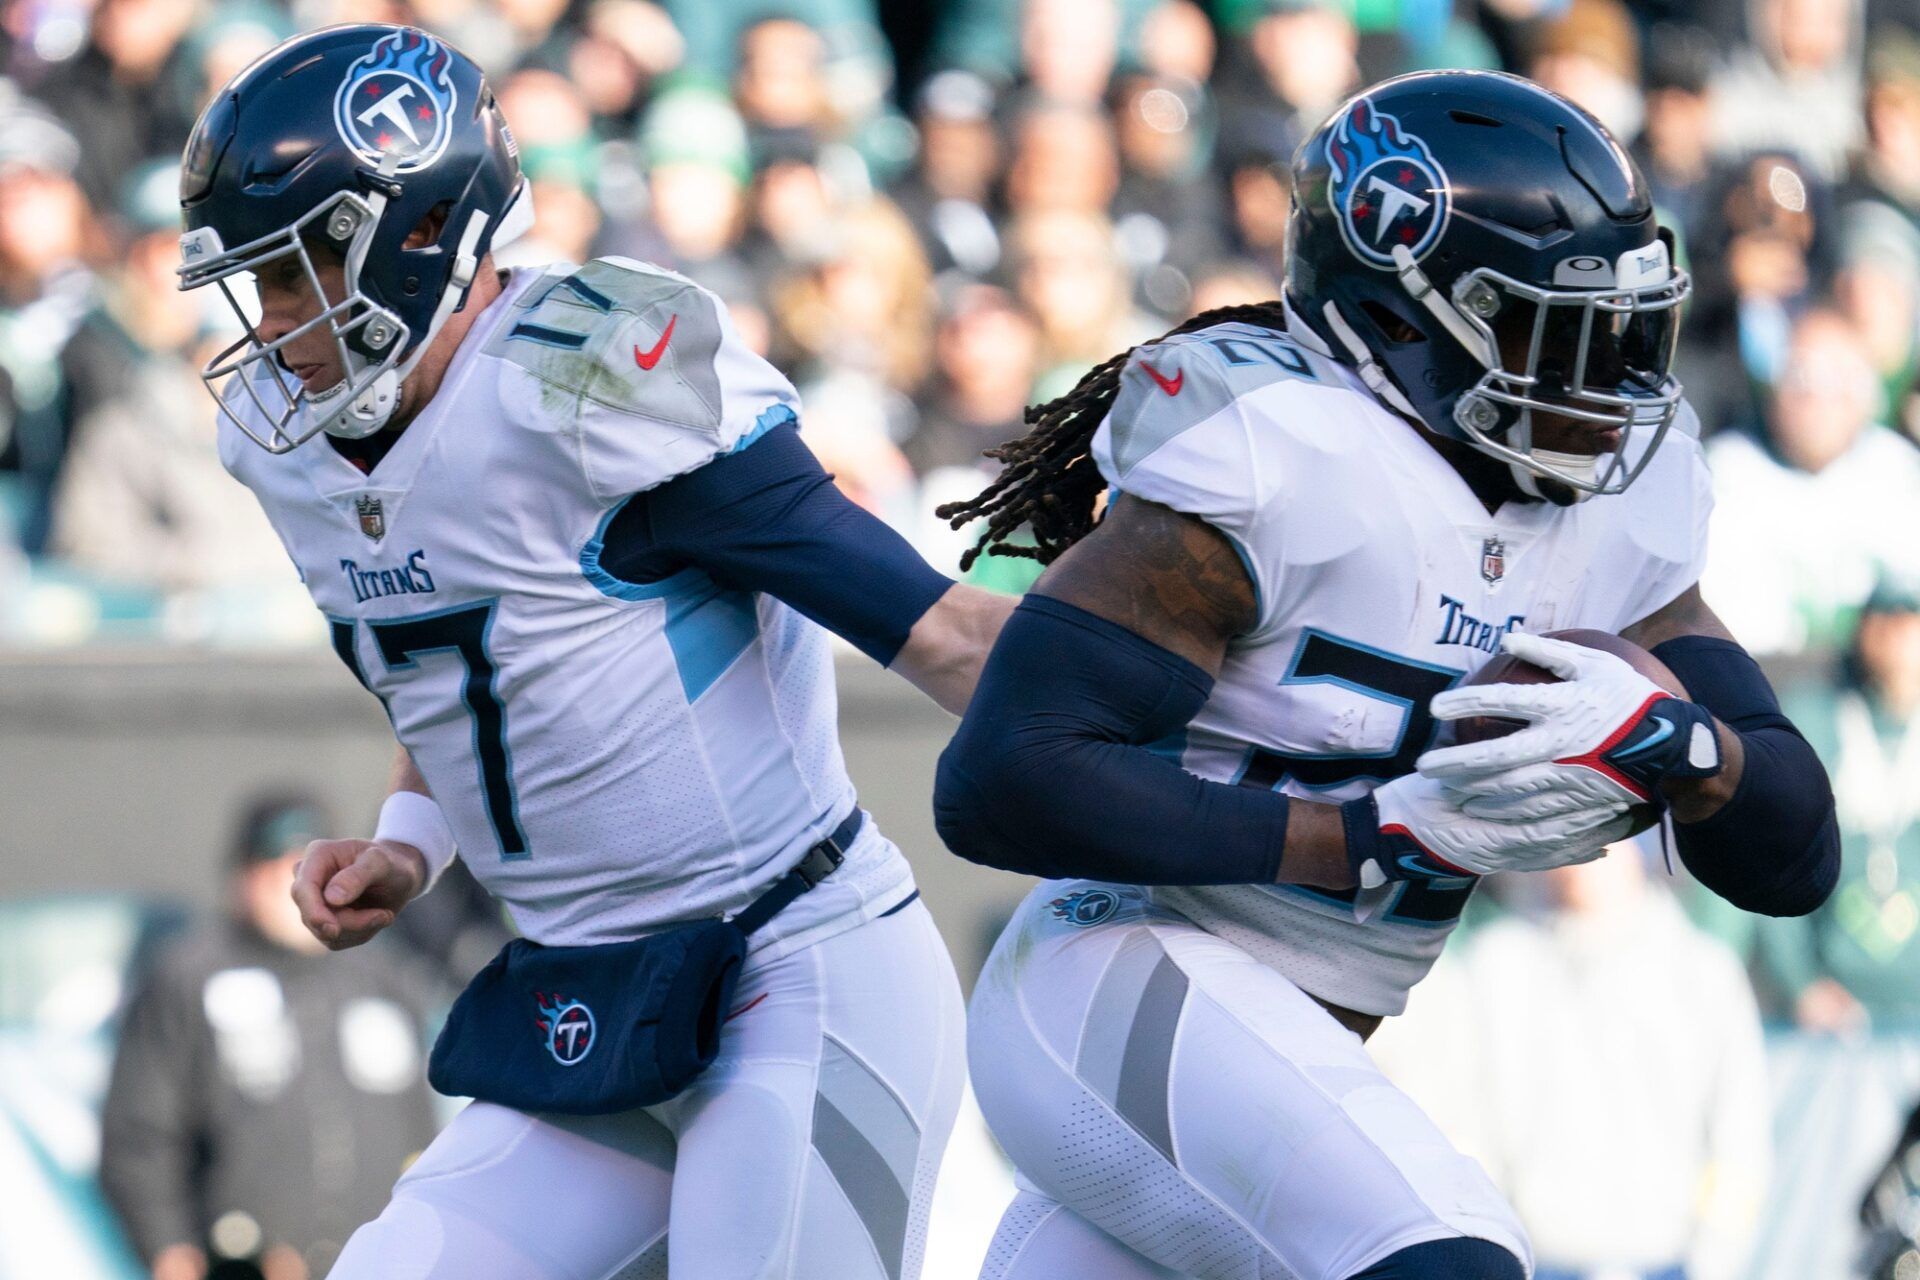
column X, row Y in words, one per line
column 566, row 219
column 1809, row 506
column 799, row 79
column 1764, row 257
column 1601, row 1057
column 1069, row 275
column 622, row 50
column 855, row 325
column 791, row 204
column 554, row 127
column 1176, row 39
column 222, row 44
column 1887, row 168
column 949, row 194
column 862, row 304
column 695, row 149
column 1062, row 49
column 265, row 1093
column 1848, row 976
column 143, row 500
column 1231, row 284
column 1795, row 86
column 1855, row 963
column 1167, row 215
column 118, row 95
column 985, row 356
column 1675, row 146
column 1590, row 55
column 544, row 109
column 47, row 236
column 631, row 40
column 1259, row 205
column 713, row 31
column 780, row 81
column 1300, row 59
column 1069, row 48
column 1064, row 157
column 1877, row 285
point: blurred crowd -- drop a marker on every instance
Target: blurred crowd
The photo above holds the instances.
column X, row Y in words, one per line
column 932, row 215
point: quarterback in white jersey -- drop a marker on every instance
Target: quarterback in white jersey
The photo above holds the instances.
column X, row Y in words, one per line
column 562, row 526
column 1218, row 721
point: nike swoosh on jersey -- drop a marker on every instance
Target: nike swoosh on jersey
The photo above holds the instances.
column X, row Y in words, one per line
column 1169, row 385
column 648, row 359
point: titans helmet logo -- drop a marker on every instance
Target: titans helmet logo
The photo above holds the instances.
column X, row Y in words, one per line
column 1387, row 190
column 398, row 101
column 567, row 1026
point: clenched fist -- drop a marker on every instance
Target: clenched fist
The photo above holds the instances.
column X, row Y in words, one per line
column 349, row 890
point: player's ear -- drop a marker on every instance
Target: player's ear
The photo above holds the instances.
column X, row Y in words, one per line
column 429, row 228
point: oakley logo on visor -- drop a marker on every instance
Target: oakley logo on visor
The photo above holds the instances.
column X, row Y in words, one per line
column 398, row 101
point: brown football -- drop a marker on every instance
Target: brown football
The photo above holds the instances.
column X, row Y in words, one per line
column 1504, row 668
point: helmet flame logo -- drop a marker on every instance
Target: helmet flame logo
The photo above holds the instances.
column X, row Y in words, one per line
column 398, row 101
column 1387, row 189
column 566, row 1025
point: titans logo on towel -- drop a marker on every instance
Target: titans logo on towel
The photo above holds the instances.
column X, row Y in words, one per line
column 567, row 1026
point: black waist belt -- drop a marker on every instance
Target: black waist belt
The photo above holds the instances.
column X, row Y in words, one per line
column 821, row 861
column 595, row 1030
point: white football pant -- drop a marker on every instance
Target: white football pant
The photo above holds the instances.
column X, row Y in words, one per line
column 1161, row 1090
column 806, row 1152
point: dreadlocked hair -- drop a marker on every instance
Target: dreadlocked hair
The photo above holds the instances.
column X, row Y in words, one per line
column 1048, row 482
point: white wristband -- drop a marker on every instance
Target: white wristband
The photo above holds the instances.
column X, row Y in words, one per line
column 411, row 818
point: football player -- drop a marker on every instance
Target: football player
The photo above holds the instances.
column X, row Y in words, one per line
column 562, row 525
column 1221, row 706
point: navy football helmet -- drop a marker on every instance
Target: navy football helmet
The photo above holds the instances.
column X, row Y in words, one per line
column 344, row 140
column 1482, row 250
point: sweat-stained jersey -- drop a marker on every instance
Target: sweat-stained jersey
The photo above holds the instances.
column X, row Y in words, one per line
column 612, row 757
column 1381, row 581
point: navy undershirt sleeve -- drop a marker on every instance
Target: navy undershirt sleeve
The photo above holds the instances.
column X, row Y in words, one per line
column 1774, row 847
column 768, row 518
column 1050, row 772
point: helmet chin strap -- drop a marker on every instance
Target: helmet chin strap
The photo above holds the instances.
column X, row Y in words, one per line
column 366, row 413
column 1581, row 466
column 1421, row 290
column 373, row 408
column 1365, row 365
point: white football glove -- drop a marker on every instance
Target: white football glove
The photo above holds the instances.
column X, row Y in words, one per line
column 1412, row 828
column 1606, row 734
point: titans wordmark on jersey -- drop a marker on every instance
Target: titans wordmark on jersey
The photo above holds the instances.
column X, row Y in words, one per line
column 612, row 756
column 1381, row 580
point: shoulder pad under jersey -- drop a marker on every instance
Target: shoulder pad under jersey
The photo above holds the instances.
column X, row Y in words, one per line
column 645, row 365
column 1173, row 385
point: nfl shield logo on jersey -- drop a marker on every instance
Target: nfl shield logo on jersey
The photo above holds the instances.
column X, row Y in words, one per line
column 567, row 1026
column 398, row 101
column 373, row 516
column 1493, row 561
column 1388, row 191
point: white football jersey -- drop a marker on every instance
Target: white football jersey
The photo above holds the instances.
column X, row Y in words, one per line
column 612, row 757
column 1381, row 581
